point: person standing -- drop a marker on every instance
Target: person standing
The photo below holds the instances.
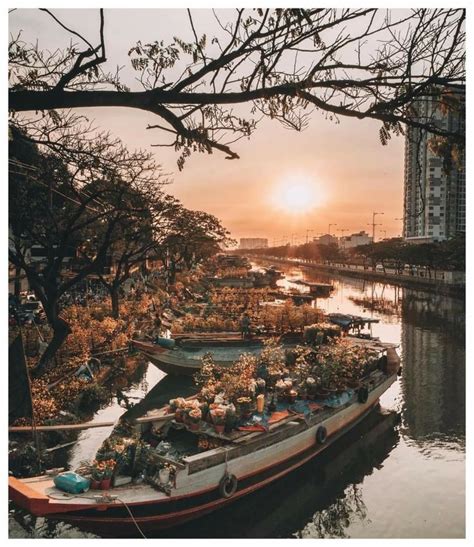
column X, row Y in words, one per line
column 245, row 323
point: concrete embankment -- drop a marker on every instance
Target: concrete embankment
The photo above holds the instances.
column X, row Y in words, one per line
column 414, row 282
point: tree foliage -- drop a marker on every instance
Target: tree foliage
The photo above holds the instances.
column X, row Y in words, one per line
column 283, row 63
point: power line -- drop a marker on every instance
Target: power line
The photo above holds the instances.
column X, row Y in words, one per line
column 37, row 180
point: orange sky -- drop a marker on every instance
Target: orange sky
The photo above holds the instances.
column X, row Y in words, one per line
column 344, row 161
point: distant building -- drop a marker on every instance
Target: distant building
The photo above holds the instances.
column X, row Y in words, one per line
column 253, row 243
column 354, row 240
column 325, row 239
column 434, row 201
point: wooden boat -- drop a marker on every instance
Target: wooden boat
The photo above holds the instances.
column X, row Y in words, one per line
column 316, row 289
column 206, row 481
column 347, row 321
column 186, row 357
column 297, row 298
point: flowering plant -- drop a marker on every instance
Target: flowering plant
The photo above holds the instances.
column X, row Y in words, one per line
column 195, row 415
column 103, row 469
column 97, row 470
column 218, row 415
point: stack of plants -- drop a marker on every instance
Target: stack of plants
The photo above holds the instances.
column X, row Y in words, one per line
column 226, row 316
column 229, row 396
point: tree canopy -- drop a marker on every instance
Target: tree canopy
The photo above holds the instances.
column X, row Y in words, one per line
column 284, row 63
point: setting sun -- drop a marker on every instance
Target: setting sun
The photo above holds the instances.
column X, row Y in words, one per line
column 297, row 194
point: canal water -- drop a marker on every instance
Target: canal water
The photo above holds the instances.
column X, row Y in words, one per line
column 400, row 474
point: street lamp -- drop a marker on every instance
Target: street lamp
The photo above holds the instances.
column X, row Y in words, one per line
column 374, row 225
column 308, row 232
column 329, row 229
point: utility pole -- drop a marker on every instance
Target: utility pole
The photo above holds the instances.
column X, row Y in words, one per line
column 292, row 238
column 374, row 225
column 329, row 229
column 307, row 232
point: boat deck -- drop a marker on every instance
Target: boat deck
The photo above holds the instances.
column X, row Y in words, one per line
column 43, row 487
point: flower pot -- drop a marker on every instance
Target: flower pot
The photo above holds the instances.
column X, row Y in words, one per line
column 105, row 483
column 95, row 484
column 179, row 416
column 219, row 428
column 194, row 426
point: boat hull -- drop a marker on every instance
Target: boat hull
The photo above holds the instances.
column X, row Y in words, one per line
column 198, row 494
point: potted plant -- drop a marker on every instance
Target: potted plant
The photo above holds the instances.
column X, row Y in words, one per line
column 230, row 417
column 108, row 466
column 244, row 406
column 292, row 394
column 194, row 417
column 218, row 418
column 97, row 474
column 260, row 386
column 311, row 387
column 204, row 407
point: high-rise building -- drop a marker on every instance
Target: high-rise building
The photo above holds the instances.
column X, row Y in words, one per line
column 253, row 243
column 434, row 200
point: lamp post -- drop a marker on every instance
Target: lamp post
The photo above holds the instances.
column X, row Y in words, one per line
column 308, row 232
column 329, row 229
column 292, row 238
column 374, row 225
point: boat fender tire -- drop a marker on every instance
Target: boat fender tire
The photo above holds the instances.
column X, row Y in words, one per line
column 321, row 434
column 228, row 485
column 363, row 394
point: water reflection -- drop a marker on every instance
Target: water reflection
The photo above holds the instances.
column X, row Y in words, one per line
column 434, row 366
column 430, row 329
column 321, row 499
column 329, row 497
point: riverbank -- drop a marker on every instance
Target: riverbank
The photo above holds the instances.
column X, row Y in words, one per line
column 438, row 286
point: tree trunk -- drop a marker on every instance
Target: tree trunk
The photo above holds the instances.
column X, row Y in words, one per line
column 17, row 288
column 172, row 274
column 114, row 295
column 61, row 331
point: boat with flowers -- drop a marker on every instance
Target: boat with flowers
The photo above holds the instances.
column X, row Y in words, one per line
column 247, row 426
column 182, row 354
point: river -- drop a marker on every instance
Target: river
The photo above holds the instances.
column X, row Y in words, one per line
column 384, row 480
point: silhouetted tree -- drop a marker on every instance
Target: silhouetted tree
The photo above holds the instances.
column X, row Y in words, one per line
column 285, row 63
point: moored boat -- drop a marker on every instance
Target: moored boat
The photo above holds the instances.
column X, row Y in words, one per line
column 186, row 357
column 204, row 481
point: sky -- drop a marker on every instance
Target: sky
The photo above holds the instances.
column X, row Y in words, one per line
column 287, row 185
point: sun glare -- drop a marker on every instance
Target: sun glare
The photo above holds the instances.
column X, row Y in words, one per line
column 297, row 195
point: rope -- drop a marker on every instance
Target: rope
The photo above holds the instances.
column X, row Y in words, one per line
column 133, row 518
column 71, row 496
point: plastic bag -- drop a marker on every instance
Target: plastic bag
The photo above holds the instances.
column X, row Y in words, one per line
column 72, row 482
